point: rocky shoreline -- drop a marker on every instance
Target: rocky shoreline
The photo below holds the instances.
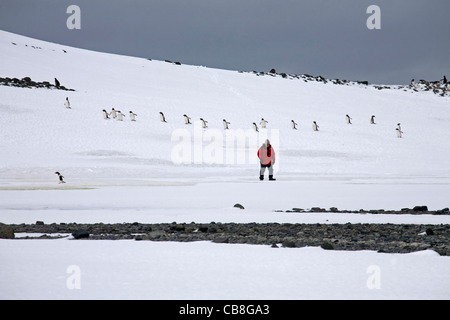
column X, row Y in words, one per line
column 388, row 238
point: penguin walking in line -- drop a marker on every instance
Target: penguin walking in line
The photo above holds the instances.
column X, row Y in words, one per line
column 204, row 122
column 255, row 127
column 162, row 117
column 349, row 120
column 133, row 116
column 113, row 113
column 225, row 124
column 105, row 114
column 372, row 119
column 67, row 103
column 294, row 125
column 120, row 115
column 61, row 178
column 187, row 120
column 315, row 126
column 263, row 123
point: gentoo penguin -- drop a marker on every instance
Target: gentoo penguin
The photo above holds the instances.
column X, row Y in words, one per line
column 315, row 126
column 113, row 113
column 161, row 116
column 225, row 124
column 255, row 127
column 133, row 116
column 105, row 114
column 67, row 103
column 187, row 120
column 372, row 119
column 349, row 120
column 399, row 132
column 204, row 122
column 61, row 178
column 263, row 123
column 120, row 115
column 399, row 127
column 294, row 125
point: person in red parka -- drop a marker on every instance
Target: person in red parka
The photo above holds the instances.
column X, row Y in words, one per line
column 266, row 156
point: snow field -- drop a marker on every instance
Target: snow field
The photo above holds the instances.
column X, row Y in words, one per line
column 124, row 172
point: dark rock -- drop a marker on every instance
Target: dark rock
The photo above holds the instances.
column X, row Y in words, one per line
column 177, row 227
column 327, row 246
column 420, row 208
column 40, row 223
column 220, row 239
column 289, row 244
column 6, row 232
column 80, row 234
column 429, row 232
column 238, row 205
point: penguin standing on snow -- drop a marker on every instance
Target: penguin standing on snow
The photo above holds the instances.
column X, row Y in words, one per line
column 263, row 123
column 372, row 119
column 225, row 124
column 348, row 119
column 120, row 115
column 294, row 125
column 204, row 123
column 187, row 120
column 255, row 127
column 113, row 113
column 162, row 117
column 61, row 178
column 133, row 116
column 315, row 126
column 399, row 130
column 67, row 103
column 105, row 114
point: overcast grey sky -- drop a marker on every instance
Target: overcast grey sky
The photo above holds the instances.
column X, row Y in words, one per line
column 318, row 37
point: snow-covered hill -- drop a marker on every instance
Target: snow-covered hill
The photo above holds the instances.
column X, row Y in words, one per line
column 39, row 134
column 150, row 171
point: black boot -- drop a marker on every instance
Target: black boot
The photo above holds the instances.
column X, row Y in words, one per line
column 272, row 178
column 261, row 178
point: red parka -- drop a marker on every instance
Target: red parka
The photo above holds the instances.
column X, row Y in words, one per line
column 266, row 155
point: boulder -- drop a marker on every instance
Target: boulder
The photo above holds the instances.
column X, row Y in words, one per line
column 80, row 234
column 6, row 232
column 238, row 205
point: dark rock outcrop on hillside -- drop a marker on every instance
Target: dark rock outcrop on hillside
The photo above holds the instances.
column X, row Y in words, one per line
column 28, row 83
column 441, row 88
